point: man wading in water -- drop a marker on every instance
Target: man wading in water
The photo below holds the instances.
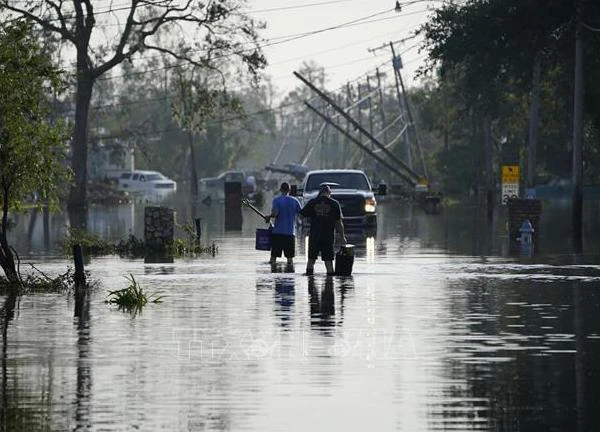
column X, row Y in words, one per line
column 284, row 209
column 325, row 216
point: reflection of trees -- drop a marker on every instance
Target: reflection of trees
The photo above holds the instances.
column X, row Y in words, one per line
column 458, row 229
column 84, row 376
column 20, row 410
column 536, row 389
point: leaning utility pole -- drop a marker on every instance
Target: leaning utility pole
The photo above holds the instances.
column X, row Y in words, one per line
column 410, row 174
column 360, row 121
column 396, row 65
column 381, row 107
column 348, row 141
column 578, row 135
column 403, row 173
column 370, row 107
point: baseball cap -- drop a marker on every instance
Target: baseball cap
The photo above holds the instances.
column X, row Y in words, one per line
column 324, row 187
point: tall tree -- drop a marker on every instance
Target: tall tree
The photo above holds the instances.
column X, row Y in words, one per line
column 192, row 32
column 32, row 150
column 196, row 101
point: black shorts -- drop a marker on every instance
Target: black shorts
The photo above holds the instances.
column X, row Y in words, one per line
column 324, row 246
column 285, row 243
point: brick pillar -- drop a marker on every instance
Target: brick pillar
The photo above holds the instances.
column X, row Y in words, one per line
column 159, row 227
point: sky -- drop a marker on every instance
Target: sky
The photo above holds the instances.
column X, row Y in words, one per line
column 338, row 35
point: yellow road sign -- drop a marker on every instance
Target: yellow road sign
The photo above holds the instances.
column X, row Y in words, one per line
column 511, row 173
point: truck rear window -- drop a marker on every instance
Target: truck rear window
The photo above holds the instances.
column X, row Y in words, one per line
column 344, row 179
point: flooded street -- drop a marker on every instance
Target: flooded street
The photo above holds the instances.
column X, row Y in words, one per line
column 440, row 327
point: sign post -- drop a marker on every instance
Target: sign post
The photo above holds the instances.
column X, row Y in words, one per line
column 511, row 176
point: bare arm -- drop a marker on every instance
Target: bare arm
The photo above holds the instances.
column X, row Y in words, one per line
column 273, row 214
column 339, row 227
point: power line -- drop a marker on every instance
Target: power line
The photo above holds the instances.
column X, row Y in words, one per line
column 334, row 49
column 286, row 39
column 290, row 39
column 297, row 6
column 358, row 78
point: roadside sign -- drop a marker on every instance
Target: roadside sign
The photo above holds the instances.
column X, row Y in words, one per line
column 509, row 190
column 511, row 176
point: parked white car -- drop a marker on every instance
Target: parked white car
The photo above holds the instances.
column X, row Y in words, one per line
column 151, row 182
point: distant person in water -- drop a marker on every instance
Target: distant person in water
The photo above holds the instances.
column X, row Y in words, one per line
column 284, row 212
column 325, row 216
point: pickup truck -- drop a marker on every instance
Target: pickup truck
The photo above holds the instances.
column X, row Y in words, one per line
column 353, row 190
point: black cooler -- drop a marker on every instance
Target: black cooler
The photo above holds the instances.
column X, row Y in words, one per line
column 344, row 260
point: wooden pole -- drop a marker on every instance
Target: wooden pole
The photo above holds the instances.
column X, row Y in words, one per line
column 578, row 137
column 79, row 270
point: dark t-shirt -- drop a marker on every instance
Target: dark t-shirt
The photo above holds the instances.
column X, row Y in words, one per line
column 323, row 212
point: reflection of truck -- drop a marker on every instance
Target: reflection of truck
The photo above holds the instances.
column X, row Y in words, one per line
column 353, row 190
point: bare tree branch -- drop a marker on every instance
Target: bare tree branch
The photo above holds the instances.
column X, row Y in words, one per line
column 65, row 34
column 61, row 17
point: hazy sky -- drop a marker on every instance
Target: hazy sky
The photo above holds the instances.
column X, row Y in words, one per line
column 337, row 35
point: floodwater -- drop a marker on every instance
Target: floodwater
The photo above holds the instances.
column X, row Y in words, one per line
column 442, row 326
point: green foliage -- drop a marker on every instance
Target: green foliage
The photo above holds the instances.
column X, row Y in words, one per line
column 484, row 52
column 90, row 243
column 132, row 246
column 133, row 298
column 32, row 148
column 190, row 245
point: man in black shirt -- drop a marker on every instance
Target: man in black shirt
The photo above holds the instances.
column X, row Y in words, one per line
column 325, row 217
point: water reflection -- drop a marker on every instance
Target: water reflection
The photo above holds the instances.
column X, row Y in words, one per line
column 84, row 375
column 439, row 328
column 284, row 299
column 322, row 303
column 11, row 415
column 159, row 270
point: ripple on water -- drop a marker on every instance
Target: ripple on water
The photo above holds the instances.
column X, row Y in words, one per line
column 417, row 339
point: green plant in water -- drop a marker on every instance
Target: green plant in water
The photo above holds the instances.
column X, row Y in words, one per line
column 132, row 298
column 191, row 245
column 91, row 243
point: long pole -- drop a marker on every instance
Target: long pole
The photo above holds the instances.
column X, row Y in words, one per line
column 534, row 121
column 360, row 122
column 405, row 175
column 381, row 107
column 348, row 103
column 578, row 136
column 362, row 130
column 401, row 105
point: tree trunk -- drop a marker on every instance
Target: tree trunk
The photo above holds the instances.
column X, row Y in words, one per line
column 193, row 168
column 489, row 164
column 534, row 122
column 78, row 196
column 7, row 261
column 578, row 102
